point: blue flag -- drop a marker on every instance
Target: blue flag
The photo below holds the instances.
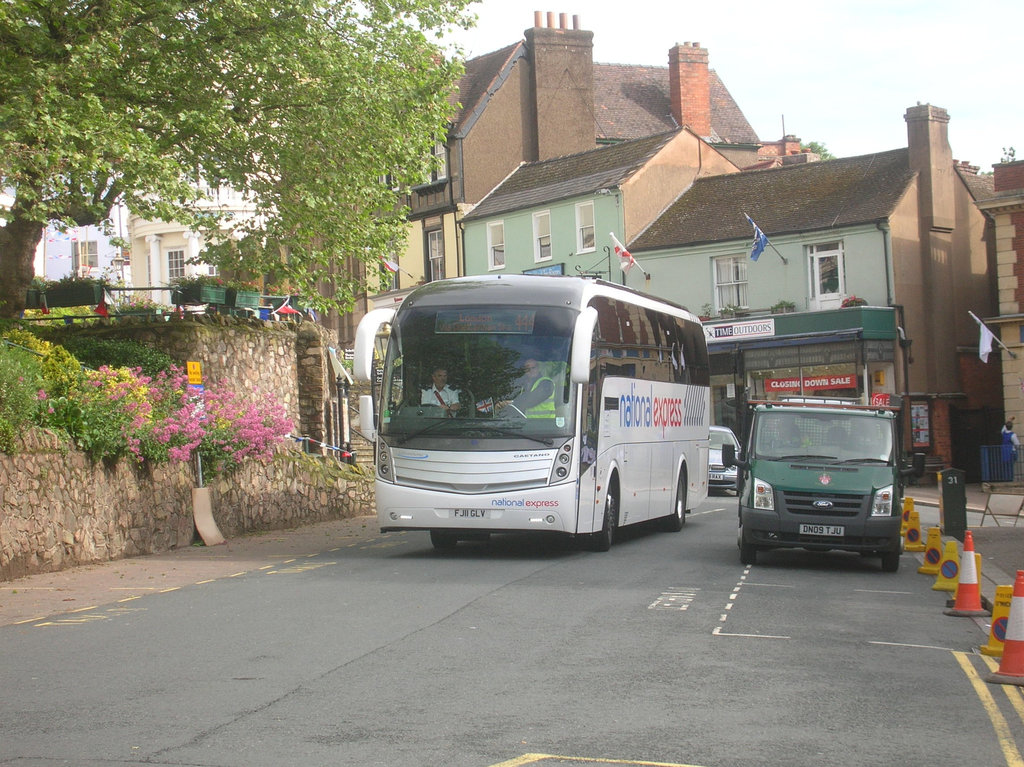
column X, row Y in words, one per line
column 760, row 240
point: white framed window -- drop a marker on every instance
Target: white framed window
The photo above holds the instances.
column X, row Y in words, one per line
column 440, row 153
column 435, row 254
column 496, row 245
column 731, row 282
column 542, row 236
column 175, row 264
column 827, row 274
column 585, row 239
column 84, row 256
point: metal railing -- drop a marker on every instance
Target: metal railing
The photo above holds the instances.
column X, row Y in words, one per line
column 1001, row 463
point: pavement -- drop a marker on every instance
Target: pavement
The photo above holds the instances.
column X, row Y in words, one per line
column 37, row 599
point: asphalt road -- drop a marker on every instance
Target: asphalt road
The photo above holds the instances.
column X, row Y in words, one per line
column 340, row 646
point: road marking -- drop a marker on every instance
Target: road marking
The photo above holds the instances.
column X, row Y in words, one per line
column 208, row 580
column 675, row 598
column 527, row 759
column 28, row 620
column 72, row 621
column 999, row 723
column 129, row 599
column 235, row 575
column 914, row 646
column 717, row 631
column 299, row 568
column 1012, row 692
column 879, row 591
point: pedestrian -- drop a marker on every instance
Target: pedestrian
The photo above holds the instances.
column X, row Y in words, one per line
column 1010, row 444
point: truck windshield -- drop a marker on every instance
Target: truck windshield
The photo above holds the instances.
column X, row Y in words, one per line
column 490, row 372
column 841, row 437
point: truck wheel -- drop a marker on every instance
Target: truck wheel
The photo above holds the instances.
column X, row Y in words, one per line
column 748, row 551
column 891, row 561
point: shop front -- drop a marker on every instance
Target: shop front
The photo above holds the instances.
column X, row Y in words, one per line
column 844, row 354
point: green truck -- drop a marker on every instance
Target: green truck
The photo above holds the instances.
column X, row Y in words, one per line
column 822, row 475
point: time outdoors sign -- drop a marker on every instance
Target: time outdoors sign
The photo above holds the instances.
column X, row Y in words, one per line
column 733, row 331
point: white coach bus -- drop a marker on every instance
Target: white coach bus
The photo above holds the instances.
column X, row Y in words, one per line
column 514, row 403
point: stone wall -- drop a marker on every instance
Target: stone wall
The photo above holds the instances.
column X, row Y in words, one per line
column 58, row 509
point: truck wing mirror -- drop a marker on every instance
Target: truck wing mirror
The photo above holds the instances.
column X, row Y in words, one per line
column 916, row 468
column 729, row 456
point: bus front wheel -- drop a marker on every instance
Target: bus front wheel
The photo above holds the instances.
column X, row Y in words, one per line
column 602, row 541
column 441, row 539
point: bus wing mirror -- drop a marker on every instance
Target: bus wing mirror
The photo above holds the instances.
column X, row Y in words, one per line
column 366, row 335
column 582, row 340
column 366, row 419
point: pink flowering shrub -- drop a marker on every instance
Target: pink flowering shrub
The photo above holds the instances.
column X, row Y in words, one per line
column 121, row 412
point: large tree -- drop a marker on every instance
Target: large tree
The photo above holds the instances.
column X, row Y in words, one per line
column 304, row 105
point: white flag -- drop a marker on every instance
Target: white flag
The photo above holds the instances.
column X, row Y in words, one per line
column 985, row 342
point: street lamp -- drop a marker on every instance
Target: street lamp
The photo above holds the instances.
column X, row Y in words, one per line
column 342, row 381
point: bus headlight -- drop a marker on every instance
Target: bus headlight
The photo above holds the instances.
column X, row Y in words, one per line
column 764, row 495
column 881, row 506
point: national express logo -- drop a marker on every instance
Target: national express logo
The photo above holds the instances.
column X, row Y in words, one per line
column 643, row 411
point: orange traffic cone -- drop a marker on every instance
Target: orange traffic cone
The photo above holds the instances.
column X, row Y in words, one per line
column 949, row 569
column 912, row 538
column 1000, row 617
column 932, row 552
column 1011, row 667
column 968, row 594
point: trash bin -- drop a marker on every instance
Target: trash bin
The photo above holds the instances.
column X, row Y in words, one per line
column 953, row 503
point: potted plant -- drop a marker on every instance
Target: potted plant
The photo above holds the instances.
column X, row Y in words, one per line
column 73, row 290
column 34, row 295
column 198, row 289
column 783, row 306
column 853, row 301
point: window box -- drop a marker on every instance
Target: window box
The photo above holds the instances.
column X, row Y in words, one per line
column 85, row 294
column 243, row 299
column 199, row 294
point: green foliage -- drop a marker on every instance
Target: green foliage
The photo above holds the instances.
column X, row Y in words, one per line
column 20, row 380
column 118, row 353
column 59, row 367
column 309, row 103
column 820, row 149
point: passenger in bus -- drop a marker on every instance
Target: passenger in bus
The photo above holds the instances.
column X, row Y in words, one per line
column 440, row 395
column 536, row 397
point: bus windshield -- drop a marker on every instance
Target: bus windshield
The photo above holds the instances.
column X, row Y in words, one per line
column 478, row 372
column 840, row 437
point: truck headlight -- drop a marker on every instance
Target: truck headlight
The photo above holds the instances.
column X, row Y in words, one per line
column 764, row 495
column 881, row 506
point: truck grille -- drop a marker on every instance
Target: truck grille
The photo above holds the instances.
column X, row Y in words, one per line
column 824, row 504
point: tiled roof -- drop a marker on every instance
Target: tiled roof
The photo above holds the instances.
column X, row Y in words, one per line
column 798, row 198
column 633, row 101
column 480, row 76
column 980, row 187
column 547, row 181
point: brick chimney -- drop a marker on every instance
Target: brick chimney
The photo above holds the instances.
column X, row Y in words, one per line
column 689, row 87
column 562, row 86
column 932, row 159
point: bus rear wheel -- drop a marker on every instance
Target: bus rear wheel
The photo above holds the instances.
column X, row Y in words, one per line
column 602, row 541
column 674, row 522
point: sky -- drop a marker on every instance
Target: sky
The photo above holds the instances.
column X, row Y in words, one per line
column 837, row 72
